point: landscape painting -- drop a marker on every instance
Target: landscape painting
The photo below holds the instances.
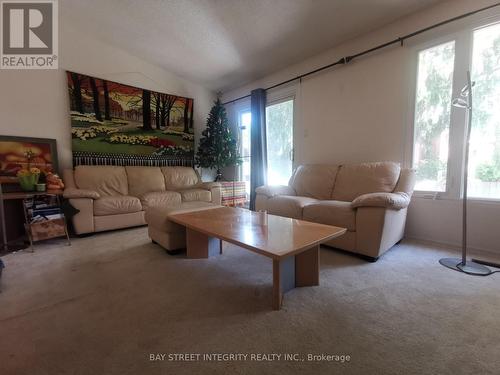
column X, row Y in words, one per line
column 116, row 124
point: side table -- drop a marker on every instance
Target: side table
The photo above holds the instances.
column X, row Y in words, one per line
column 43, row 216
column 233, row 193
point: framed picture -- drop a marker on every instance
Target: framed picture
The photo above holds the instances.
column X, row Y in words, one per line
column 25, row 152
column 117, row 124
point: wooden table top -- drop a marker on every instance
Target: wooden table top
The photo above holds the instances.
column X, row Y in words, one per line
column 29, row 194
column 281, row 237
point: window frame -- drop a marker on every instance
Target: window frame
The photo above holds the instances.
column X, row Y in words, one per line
column 239, row 114
column 464, row 45
column 274, row 96
column 488, row 21
column 278, row 101
column 451, row 185
column 284, row 94
column 235, row 110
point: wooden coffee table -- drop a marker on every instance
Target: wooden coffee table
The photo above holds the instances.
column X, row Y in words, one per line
column 292, row 244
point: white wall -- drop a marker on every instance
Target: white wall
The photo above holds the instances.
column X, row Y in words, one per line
column 360, row 112
column 36, row 103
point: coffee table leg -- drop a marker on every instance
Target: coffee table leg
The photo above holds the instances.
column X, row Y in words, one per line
column 283, row 279
column 295, row 271
column 307, row 267
column 200, row 245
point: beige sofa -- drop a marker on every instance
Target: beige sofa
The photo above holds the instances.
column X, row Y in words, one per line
column 369, row 199
column 113, row 197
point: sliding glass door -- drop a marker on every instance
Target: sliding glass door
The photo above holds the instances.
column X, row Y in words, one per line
column 279, row 133
column 245, row 119
column 279, row 138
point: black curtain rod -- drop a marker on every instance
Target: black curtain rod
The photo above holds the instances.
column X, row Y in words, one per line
column 347, row 59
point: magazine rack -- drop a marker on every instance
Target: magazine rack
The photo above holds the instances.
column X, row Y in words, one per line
column 44, row 218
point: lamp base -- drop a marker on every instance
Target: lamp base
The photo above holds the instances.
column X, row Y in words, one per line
column 469, row 267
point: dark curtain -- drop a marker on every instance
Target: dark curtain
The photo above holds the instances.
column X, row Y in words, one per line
column 258, row 148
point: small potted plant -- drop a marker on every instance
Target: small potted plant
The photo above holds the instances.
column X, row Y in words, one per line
column 28, row 178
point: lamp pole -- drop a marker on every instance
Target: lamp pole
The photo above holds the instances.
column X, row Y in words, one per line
column 466, row 172
column 461, row 264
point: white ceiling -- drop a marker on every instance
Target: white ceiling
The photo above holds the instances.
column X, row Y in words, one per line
column 225, row 43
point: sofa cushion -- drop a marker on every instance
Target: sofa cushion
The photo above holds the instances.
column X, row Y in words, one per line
column 406, row 182
column 314, row 181
column 105, row 180
column 142, row 180
column 288, row 206
column 358, row 179
column 114, row 205
column 336, row 213
column 160, row 199
column 180, row 178
column 191, row 195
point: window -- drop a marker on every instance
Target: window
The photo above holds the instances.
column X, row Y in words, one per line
column 484, row 155
column 439, row 128
column 279, row 137
column 245, row 119
column 432, row 116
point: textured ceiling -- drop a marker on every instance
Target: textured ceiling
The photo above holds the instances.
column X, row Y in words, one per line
column 225, row 43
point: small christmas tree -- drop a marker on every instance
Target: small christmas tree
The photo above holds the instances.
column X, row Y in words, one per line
column 218, row 147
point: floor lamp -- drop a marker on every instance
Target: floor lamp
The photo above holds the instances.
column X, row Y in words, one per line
column 462, row 264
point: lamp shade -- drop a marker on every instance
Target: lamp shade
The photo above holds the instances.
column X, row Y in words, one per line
column 466, row 90
column 459, row 102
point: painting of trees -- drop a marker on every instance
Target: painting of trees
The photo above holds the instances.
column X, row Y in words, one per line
column 146, row 110
column 185, row 117
column 107, row 115
column 76, row 92
column 111, row 118
column 163, row 105
column 95, row 95
column 157, row 106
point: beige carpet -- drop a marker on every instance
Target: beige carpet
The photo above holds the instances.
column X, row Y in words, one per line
column 103, row 305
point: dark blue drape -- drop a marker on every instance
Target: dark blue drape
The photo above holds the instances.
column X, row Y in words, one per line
column 258, row 148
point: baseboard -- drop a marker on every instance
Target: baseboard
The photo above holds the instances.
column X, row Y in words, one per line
column 456, row 246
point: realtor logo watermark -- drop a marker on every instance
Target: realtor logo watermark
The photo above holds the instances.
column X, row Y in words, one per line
column 29, row 37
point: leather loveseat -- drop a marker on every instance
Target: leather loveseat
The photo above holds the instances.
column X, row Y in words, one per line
column 113, row 197
column 369, row 199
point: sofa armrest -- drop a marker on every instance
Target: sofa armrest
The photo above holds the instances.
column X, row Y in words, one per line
column 395, row 201
column 72, row 193
column 272, row 191
column 215, row 189
column 209, row 185
column 83, row 221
